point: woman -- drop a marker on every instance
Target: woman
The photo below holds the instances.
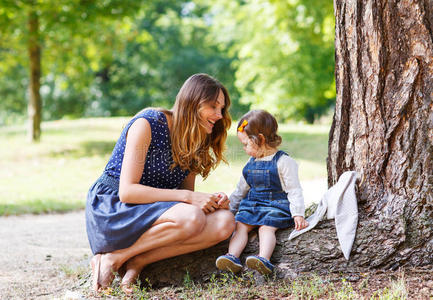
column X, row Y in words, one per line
column 144, row 208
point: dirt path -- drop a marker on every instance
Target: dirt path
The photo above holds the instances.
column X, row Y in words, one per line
column 41, row 255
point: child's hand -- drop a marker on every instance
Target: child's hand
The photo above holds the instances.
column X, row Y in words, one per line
column 223, row 200
column 300, row 222
column 208, row 203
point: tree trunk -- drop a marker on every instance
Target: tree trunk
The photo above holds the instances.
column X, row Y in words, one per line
column 383, row 124
column 34, row 105
column 383, row 129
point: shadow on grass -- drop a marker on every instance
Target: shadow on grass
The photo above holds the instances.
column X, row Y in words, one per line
column 38, row 207
column 20, row 131
column 299, row 145
column 77, row 129
column 306, row 146
column 86, row 149
column 12, row 131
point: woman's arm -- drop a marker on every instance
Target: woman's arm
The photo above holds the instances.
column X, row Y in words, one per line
column 130, row 189
column 189, row 182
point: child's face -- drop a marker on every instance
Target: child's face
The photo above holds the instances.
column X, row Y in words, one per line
column 251, row 148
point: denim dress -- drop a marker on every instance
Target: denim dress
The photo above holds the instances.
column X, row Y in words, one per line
column 112, row 224
column 266, row 203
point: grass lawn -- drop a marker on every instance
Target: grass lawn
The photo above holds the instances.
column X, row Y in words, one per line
column 396, row 285
column 55, row 174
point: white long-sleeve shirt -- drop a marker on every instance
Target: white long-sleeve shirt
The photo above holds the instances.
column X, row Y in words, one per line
column 288, row 173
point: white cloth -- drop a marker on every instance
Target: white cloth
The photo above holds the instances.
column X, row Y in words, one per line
column 340, row 203
column 288, row 173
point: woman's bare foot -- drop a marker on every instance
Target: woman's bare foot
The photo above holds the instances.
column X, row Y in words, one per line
column 122, row 270
column 96, row 265
column 130, row 278
column 106, row 271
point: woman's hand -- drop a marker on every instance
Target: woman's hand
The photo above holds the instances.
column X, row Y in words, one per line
column 300, row 222
column 223, row 200
column 206, row 202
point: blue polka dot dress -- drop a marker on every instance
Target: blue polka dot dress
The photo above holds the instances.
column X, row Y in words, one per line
column 113, row 225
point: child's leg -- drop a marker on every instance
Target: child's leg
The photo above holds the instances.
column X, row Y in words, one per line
column 267, row 241
column 240, row 238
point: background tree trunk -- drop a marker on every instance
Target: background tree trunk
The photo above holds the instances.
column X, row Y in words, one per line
column 34, row 104
column 382, row 128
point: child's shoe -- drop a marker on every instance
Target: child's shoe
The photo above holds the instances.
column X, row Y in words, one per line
column 260, row 264
column 228, row 262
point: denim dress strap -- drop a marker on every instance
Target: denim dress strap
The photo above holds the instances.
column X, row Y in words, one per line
column 276, row 176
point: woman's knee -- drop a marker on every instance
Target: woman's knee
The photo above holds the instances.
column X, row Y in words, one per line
column 225, row 225
column 192, row 221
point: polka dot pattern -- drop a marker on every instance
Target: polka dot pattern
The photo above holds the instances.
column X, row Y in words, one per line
column 157, row 172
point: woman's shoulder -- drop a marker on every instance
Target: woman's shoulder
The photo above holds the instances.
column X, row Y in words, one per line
column 155, row 116
column 151, row 113
column 151, row 117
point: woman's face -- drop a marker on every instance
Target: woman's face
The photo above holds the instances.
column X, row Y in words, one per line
column 210, row 112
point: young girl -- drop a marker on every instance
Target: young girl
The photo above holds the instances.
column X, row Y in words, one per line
column 144, row 208
column 269, row 193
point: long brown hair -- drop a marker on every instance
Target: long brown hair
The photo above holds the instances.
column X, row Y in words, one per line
column 191, row 145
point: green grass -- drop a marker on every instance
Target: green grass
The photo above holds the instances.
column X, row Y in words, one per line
column 55, row 174
column 247, row 286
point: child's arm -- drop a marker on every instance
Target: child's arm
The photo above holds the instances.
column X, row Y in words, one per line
column 288, row 172
column 238, row 194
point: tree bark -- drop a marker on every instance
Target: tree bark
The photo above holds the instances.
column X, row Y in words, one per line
column 317, row 250
column 383, row 129
column 34, row 105
column 383, row 124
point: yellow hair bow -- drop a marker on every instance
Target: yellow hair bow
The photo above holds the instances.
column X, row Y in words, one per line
column 241, row 128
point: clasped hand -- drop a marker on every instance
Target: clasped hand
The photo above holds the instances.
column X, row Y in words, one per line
column 210, row 202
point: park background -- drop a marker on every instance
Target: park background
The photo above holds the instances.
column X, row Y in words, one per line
column 85, row 67
column 99, row 62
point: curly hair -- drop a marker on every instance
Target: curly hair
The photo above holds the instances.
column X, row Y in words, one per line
column 192, row 148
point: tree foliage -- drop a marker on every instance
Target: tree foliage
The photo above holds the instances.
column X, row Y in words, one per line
column 115, row 57
column 162, row 52
column 66, row 31
column 285, row 51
